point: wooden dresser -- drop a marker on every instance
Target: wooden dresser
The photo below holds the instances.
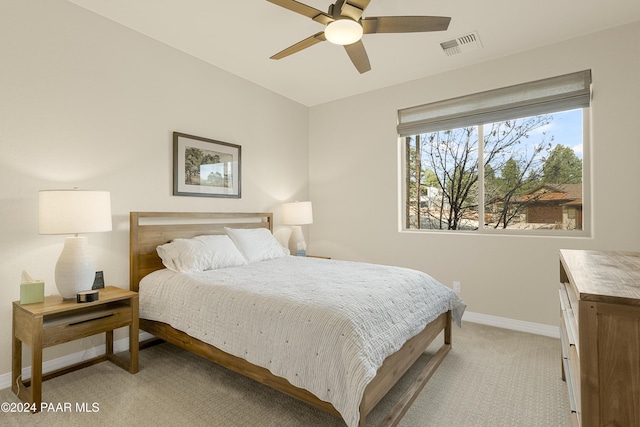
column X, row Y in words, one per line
column 600, row 331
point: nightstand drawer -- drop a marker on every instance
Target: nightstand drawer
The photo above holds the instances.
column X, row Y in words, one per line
column 60, row 328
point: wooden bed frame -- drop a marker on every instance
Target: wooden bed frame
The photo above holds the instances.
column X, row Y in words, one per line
column 150, row 229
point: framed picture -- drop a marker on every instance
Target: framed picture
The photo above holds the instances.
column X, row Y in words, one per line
column 98, row 281
column 205, row 167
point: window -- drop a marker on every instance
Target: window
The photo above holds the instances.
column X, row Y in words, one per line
column 509, row 159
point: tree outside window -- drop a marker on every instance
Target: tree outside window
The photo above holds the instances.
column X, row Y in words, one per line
column 523, row 174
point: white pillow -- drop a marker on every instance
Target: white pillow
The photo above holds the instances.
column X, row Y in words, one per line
column 200, row 253
column 256, row 244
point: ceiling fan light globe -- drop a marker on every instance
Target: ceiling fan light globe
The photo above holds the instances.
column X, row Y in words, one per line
column 343, row 32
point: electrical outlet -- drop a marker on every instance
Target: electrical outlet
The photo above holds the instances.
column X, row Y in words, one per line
column 456, row 287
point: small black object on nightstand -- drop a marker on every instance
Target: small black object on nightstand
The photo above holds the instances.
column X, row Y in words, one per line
column 88, row 296
column 98, row 282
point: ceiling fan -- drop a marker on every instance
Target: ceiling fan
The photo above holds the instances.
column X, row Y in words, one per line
column 345, row 26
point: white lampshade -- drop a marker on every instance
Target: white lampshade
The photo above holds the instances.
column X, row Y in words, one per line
column 343, row 32
column 297, row 213
column 73, row 212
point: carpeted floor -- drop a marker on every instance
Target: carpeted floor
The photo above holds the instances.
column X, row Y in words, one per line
column 492, row 377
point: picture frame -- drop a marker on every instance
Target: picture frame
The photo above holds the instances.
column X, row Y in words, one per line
column 98, row 281
column 205, row 167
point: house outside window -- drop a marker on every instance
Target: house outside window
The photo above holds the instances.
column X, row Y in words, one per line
column 511, row 160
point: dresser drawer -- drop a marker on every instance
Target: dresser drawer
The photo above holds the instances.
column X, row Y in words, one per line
column 572, row 295
column 569, row 316
column 571, row 366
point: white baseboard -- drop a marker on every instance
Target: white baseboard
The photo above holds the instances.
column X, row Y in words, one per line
column 516, row 325
column 61, row 362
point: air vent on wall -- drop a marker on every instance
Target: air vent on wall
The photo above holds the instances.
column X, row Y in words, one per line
column 465, row 43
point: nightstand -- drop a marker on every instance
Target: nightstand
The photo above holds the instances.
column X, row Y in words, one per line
column 56, row 321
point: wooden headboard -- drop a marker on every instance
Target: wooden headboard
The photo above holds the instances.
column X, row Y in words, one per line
column 148, row 230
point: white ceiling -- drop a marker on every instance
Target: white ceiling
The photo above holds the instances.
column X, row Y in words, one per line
column 239, row 36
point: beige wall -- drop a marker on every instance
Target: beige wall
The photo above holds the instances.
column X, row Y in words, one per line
column 86, row 102
column 354, row 178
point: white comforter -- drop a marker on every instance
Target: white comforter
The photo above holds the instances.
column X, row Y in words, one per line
column 324, row 325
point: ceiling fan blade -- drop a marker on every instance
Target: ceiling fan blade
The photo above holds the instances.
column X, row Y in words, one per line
column 303, row 44
column 404, row 24
column 305, row 10
column 358, row 55
column 354, row 8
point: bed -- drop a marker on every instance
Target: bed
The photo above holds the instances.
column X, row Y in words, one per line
column 267, row 289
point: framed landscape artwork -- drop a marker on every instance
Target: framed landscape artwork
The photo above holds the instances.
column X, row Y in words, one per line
column 205, row 167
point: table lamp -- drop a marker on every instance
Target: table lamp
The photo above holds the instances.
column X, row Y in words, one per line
column 74, row 212
column 297, row 214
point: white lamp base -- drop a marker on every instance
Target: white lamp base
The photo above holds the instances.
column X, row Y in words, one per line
column 75, row 270
column 296, row 241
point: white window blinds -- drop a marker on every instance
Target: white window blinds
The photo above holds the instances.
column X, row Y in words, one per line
column 528, row 99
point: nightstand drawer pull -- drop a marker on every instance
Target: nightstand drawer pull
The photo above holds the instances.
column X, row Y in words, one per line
column 91, row 320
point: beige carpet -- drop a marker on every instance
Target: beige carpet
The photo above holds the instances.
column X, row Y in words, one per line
column 492, row 377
